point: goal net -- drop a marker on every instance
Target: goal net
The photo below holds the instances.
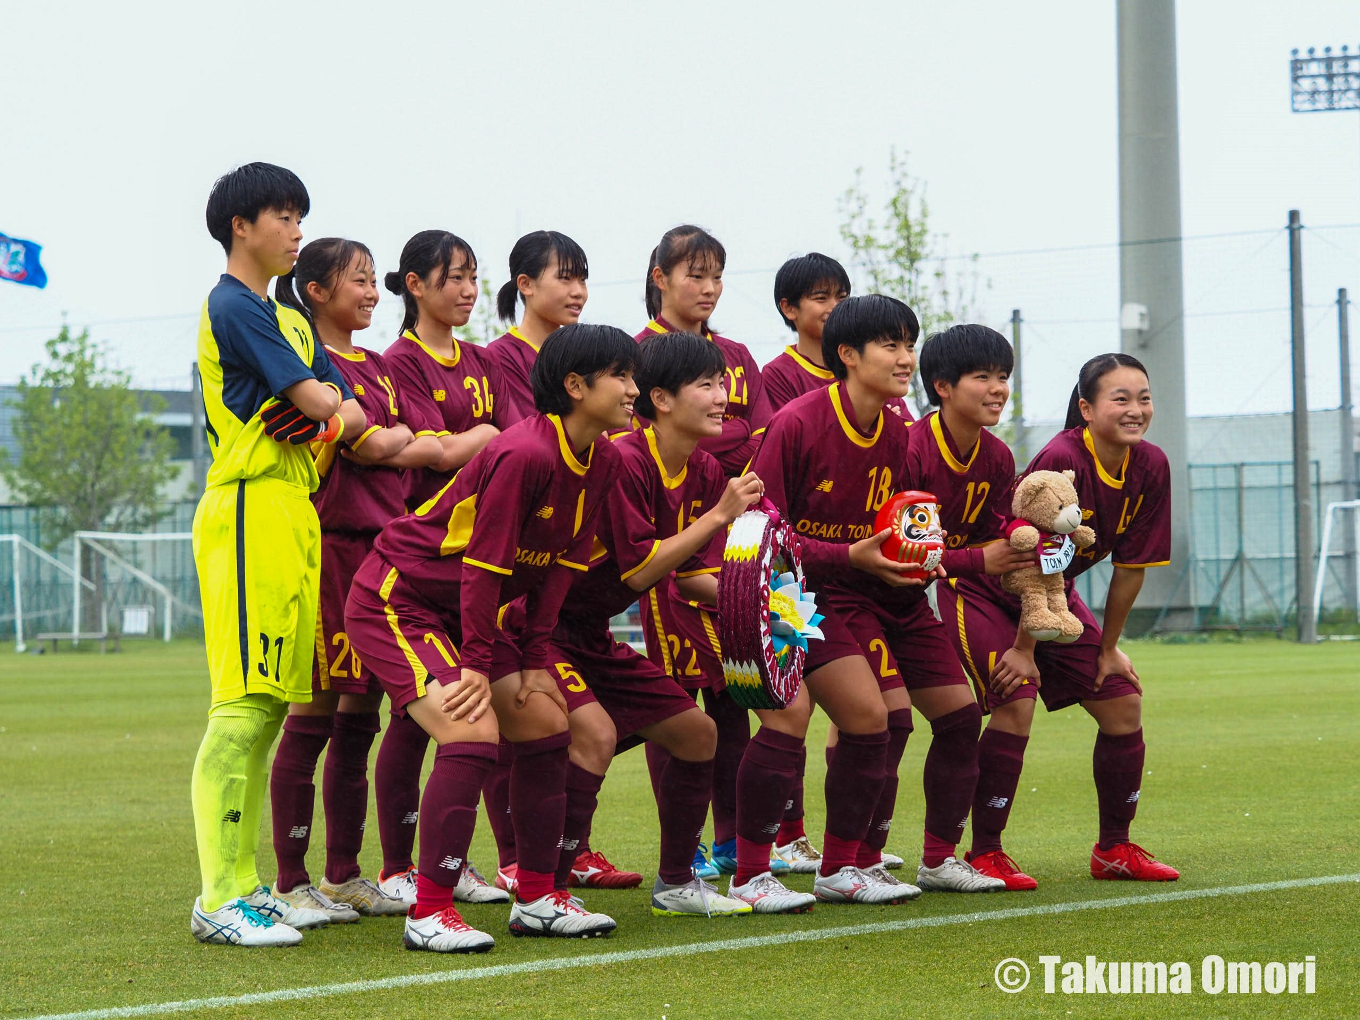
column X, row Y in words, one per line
column 141, row 585
column 1336, row 591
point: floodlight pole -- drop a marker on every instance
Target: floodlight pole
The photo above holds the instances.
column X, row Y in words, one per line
column 1303, row 488
column 1343, row 334
column 1017, row 396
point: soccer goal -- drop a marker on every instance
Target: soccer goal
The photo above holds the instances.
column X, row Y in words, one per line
column 134, row 585
column 38, row 589
column 1337, row 588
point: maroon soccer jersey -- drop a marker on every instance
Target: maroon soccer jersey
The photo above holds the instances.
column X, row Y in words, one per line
column 829, row 477
column 972, row 488
column 457, row 392
column 643, row 507
column 351, row 496
column 748, row 410
column 514, row 354
column 791, row 375
column 522, row 511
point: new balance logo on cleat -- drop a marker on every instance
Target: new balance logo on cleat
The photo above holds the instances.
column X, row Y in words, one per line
column 998, row 802
column 232, row 816
column 824, row 485
column 410, row 818
column 298, row 832
column 544, row 512
column 1133, row 797
column 452, row 863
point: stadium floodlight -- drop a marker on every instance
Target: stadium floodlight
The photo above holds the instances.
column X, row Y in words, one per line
column 1330, row 81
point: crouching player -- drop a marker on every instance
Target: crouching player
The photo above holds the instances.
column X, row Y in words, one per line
column 1124, row 481
column 268, row 389
column 830, row 459
column 515, row 521
column 669, row 510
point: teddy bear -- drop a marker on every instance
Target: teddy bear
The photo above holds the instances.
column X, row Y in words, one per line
column 1048, row 521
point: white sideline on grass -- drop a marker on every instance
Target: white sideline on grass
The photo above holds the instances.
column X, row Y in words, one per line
column 687, row 949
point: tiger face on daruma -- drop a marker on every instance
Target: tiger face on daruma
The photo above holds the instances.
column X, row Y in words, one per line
column 916, row 539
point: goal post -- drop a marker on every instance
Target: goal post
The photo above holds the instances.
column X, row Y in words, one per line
column 34, row 574
column 127, row 571
column 1340, row 521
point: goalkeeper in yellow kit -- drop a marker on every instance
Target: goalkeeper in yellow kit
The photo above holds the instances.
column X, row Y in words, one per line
column 269, row 390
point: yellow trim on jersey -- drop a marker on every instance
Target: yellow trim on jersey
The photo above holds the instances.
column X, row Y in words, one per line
column 656, row 544
column 323, row 455
column 1140, row 566
column 1114, row 483
column 356, row 355
column 462, row 518
column 431, row 432
column 364, row 438
column 418, row 671
column 666, row 480
column 817, row 371
column 696, row 573
column 656, row 327
column 487, row 566
column 323, row 673
column 568, row 454
column 514, row 332
column 572, row 565
column 439, row 358
column 712, row 634
column 500, row 616
column 955, row 465
column 854, row 435
column 654, row 601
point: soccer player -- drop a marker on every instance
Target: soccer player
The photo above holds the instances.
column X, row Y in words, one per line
column 684, row 283
column 268, row 389
column 951, row 454
column 458, row 387
column 548, row 272
column 1124, row 486
column 334, row 285
column 830, row 460
column 515, row 521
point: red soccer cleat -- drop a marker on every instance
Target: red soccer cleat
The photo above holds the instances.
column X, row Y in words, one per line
column 592, row 870
column 1129, row 862
column 507, row 878
column 998, row 864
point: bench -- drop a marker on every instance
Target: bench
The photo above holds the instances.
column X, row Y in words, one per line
column 103, row 637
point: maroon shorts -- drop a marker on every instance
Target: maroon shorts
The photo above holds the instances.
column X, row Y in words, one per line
column 337, row 666
column 981, row 621
column 907, row 649
column 633, row 690
column 403, row 640
column 682, row 638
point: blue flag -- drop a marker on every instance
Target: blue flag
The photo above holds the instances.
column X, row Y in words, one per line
column 19, row 262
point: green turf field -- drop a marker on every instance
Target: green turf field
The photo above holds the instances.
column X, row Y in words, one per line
column 1252, row 777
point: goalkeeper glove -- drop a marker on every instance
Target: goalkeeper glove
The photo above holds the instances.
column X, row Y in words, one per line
column 283, row 422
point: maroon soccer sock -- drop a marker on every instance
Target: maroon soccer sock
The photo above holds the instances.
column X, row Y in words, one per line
column 538, row 808
column 734, row 730
column 657, row 757
column 496, row 798
column 854, row 780
column 583, row 793
column 950, row 779
column 791, row 827
column 683, row 804
column 396, row 778
column 292, row 794
column 1001, row 757
column 767, row 769
column 871, row 850
column 449, row 808
column 344, row 792
column 1117, row 764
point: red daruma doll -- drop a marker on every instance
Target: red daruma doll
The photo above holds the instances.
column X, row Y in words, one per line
column 916, row 540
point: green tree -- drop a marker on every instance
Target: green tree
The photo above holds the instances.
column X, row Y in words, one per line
column 896, row 253
column 90, row 452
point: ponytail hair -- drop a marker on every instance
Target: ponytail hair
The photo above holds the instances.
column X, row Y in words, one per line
column 685, row 243
column 530, row 257
column 320, row 261
column 424, row 253
column 1088, row 383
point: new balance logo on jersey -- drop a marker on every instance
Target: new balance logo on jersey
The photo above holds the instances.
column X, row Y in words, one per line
column 438, row 395
column 232, row 816
column 298, row 832
column 358, row 389
column 410, row 818
column 824, row 485
column 998, row 802
column 1133, row 797
column 452, row 863
column 544, row 512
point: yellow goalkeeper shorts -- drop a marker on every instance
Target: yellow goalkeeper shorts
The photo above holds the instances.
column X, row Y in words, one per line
column 257, row 546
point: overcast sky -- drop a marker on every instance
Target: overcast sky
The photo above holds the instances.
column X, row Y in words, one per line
column 613, row 122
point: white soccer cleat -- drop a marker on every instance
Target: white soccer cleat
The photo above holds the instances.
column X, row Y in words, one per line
column 880, row 874
column 364, row 896
column 955, row 875
column 236, row 924
column 558, row 915
column 280, row 911
column 445, row 932
column 473, row 888
column 801, row 856
column 401, row 886
column 767, row 895
column 850, row 885
column 890, row 861
column 309, row 897
column 694, row 897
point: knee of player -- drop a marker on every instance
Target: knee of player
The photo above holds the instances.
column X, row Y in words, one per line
column 700, row 737
column 593, row 739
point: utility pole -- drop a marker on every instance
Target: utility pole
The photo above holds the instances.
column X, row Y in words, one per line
column 1017, row 397
column 1343, row 334
column 1303, row 483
